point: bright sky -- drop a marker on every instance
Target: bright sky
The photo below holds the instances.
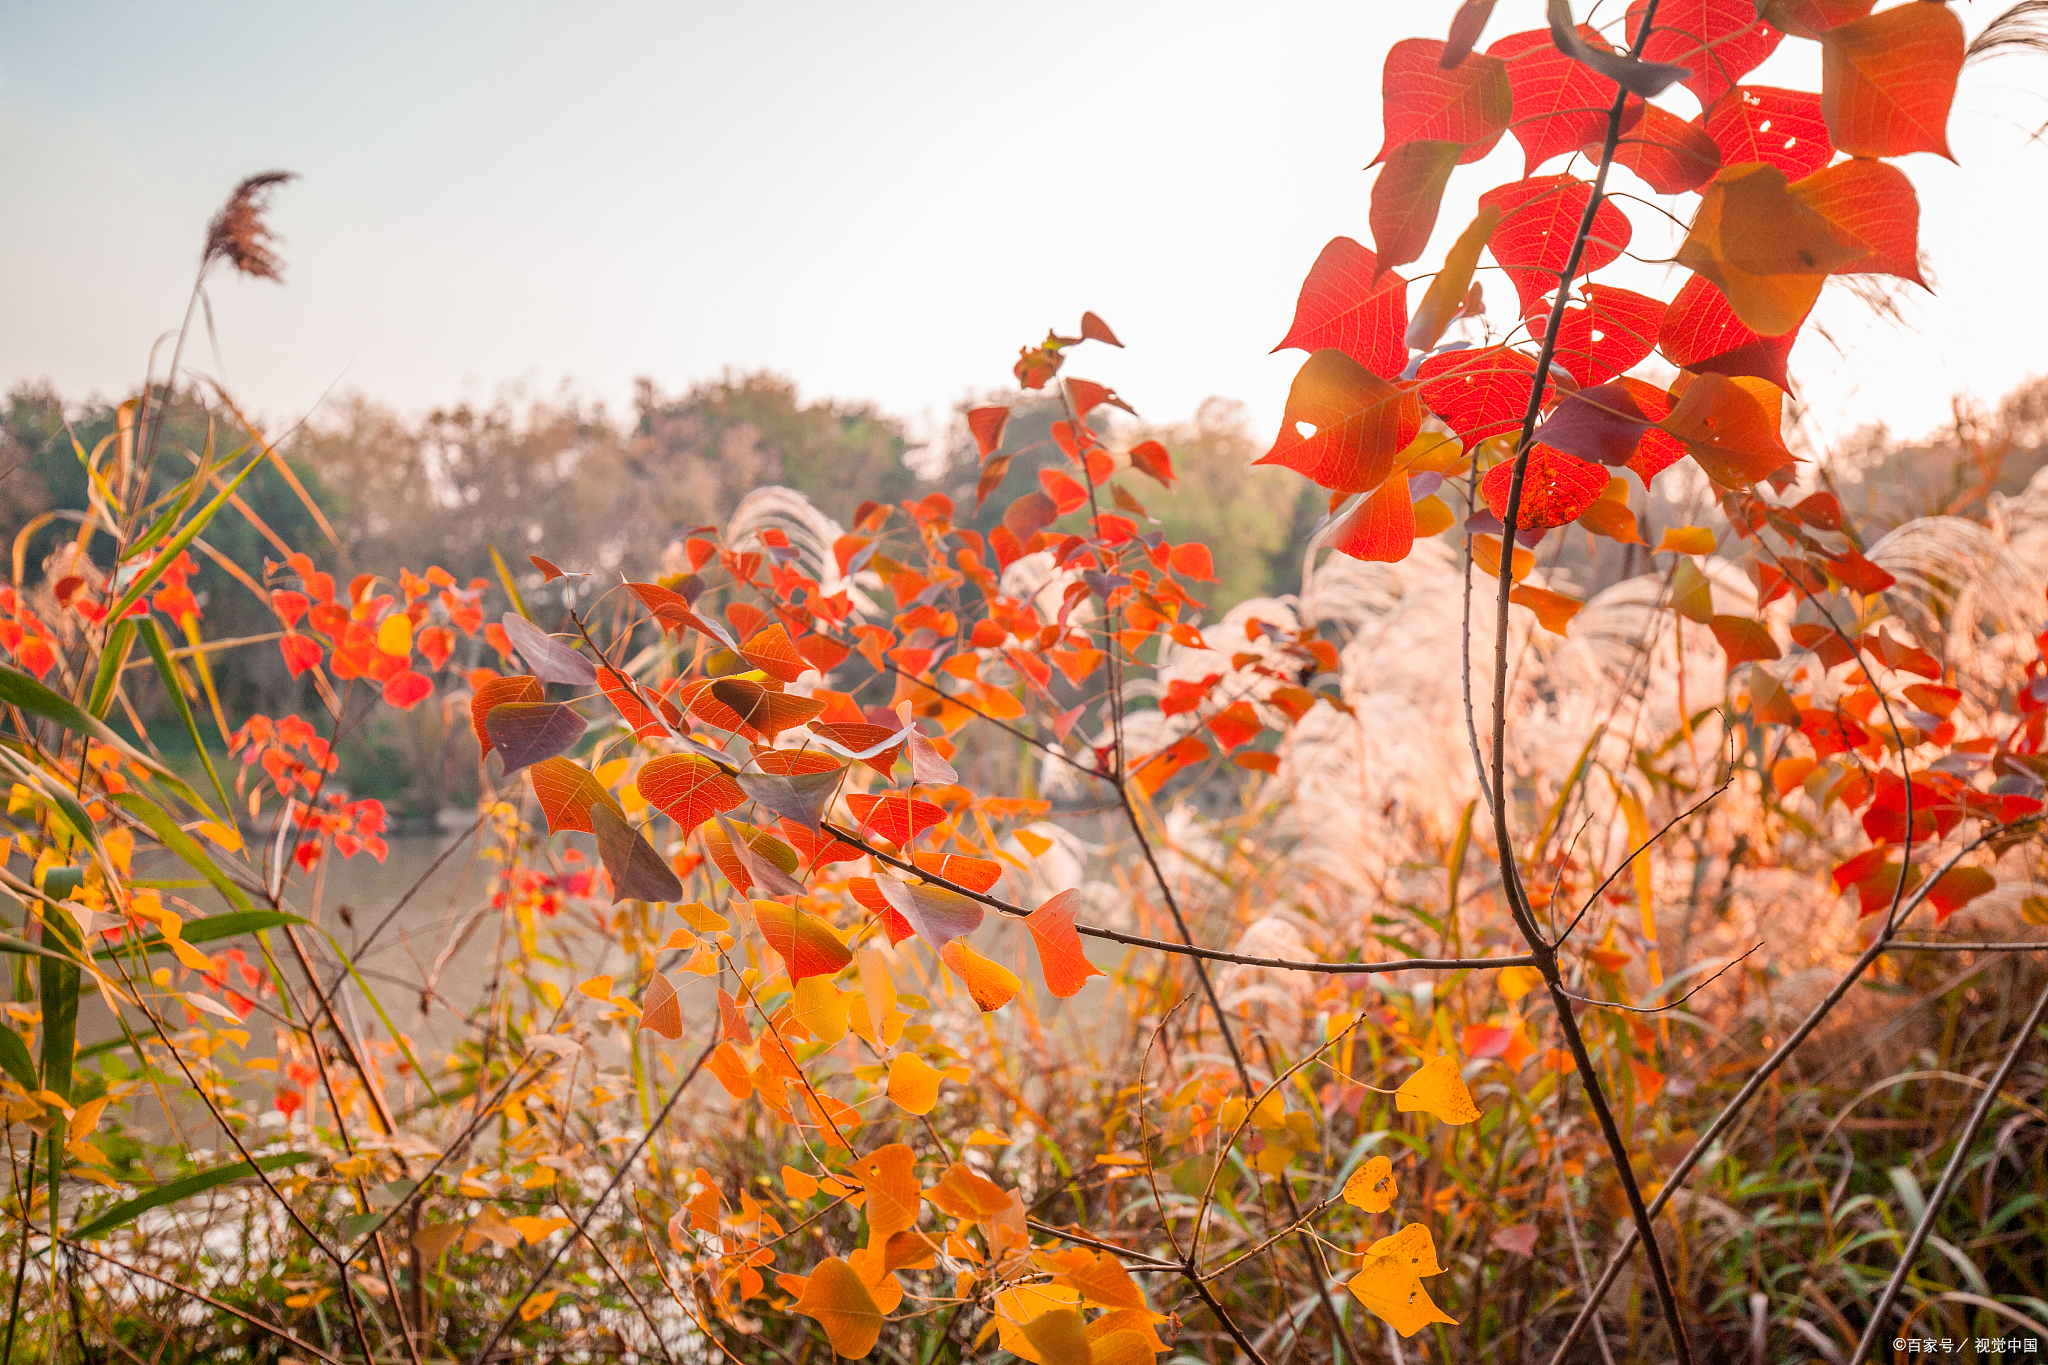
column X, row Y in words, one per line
column 878, row 200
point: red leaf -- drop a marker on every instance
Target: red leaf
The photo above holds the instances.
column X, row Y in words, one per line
column 1151, row 458
column 1347, row 304
column 1381, row 527
column 1887, row 80
column 1743, row 640
column 1560, row 103
column 1602, row 423
column 1468, row 104
column 1192, row 560
column 1406, row 197
column 1539, row 218
column 289, row 606
column 548, row 571
column 806, row 944
column 1235, row 724
column 301, row 652
column 1556, row 489
column 1871, row 205
column 898, row 819
column 687, row 789
column 1721, row 40
column 1029, row 515
column 1094, row 328
column 1615, row 329
column 1669, row 154
column 859, row 736
column 408, row 689
column 519, row 687
column 1481, row 393
column 1356, row 422
column 1060, row 960
column 525, row 732
column 1957, row 887
column 976, row 874
column 987, row 426
column 1782, row 128
column 1067, row 494
column 1701, row 333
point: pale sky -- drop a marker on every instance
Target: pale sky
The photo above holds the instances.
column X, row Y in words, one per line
column 881, row 201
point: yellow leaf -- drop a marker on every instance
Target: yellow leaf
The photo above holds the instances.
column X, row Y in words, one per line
column 1018, row 1307
column 1439, row 1090
column 1687, row 540
column 434, row 1239
column 990, row 983
column 190, row 956
column 702, row 918
column 597, row 988
column 394, row 634
column 913, row 1083
column 1273, row 1158
column 820, row 1007
column 1516, row 982
column 1412, row 1247
column 1403, row 1302
column 533, row 1229
column 835, row 1296
column 1037, row 845
column 539, row 1303
column 1371, row 1187
column 983, row 1137
column 800, row 1184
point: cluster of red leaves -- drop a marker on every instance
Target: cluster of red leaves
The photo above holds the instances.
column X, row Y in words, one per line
column 370, row 634
column 23, row 635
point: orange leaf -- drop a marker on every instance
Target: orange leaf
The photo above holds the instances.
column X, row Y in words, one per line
column 1765, row 247
column 914, row 1083
column 976, row 874
column 1060, row 959
column 835, row 1296
column 688, row 789
column 1153, row 459
column 1554, row 610
column 991, row 984
column 1153, row 773
column 1437, row 1089
column 659, row 1009
column 1192, row 560
column 1702, row 333
column 888, row 1176
column 987, row 426
column 1887, row 80
column 566, row 791
column 1743, row 640
column 1764, row 123
column 768, row 712
column 1731, row 427
column 807, row 945
column 1671, row 155
column 775, row 654
column 1444, row 300
column 1870, row 205
column 1343, row 424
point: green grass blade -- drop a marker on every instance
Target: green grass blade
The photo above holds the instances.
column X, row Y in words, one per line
column 167, row 669
column 171, row 1192
column 113, row 658
column 208, row 929
column 185, row 847
column 146, row 580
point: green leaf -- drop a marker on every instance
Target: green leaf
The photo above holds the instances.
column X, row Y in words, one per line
column 212, row 927
column 57, row 995
column 15, row 1058
column 173, row 1191
column 113, row 657
column 167, row 670
column 146, row 580
column 18, row 689
column 185, row 847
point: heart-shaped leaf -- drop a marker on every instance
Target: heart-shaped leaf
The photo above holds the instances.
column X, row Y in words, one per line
column 550, row 659
column 525, row 732
column 637, row 871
